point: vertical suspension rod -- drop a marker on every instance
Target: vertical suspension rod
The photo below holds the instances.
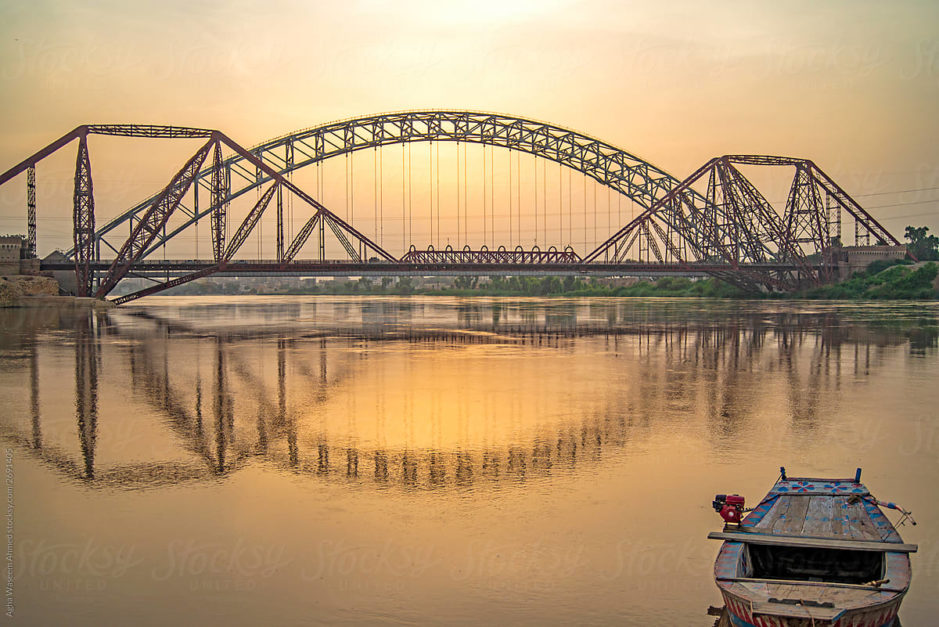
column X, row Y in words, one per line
column 280, row 223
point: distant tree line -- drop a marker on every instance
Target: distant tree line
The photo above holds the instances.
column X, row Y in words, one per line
column 923, row 246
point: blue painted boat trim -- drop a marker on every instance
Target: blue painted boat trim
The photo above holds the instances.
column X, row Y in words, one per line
column 812, row 487
column 739, row 622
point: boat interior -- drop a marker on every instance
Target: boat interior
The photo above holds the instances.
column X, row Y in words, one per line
column 813, row 564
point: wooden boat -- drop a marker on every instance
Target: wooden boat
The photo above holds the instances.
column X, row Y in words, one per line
column 814, row 552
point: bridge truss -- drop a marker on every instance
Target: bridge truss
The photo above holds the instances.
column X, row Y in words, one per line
column 728, row 230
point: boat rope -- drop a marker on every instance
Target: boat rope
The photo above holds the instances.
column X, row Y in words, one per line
column 907, row 515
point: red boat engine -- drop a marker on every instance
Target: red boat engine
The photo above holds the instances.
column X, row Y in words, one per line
column 729, row 506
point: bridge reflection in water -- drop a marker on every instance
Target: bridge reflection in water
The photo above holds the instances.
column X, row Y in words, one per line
column 395, row 392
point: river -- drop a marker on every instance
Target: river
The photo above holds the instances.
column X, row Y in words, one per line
column 415, row 460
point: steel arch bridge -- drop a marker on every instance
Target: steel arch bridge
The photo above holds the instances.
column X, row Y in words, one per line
column 730, row 230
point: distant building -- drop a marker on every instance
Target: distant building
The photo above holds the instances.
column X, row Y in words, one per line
column 851, row 259
column 9, row 254
column 68, row 284
column 14, row 256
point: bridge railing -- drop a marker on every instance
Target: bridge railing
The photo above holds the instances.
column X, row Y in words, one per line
column 485, row 256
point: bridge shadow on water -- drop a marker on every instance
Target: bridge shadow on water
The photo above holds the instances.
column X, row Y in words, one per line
column 361, row 392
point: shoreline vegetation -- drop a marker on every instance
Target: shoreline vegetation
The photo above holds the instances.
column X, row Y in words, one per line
column 881, row 280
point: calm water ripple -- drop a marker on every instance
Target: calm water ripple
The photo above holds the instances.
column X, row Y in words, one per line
column 304, row 460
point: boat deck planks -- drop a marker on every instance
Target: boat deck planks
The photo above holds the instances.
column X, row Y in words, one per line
column 795, row 516
column 798, row 515
column 817, row 517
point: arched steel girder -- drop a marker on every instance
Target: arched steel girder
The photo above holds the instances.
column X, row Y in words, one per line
column 637, row 179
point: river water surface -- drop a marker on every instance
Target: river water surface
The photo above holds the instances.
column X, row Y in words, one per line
column 306, row 460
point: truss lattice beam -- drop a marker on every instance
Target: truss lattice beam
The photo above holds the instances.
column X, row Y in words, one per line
column 733, row 222
column 250, row 221
column 153, row 221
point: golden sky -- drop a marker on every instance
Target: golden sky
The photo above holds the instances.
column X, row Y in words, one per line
column 853, row 85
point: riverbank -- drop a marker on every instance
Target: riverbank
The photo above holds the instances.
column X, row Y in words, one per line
column 896, row 282
column 14, row 288
column 28, row 291
column 62, row 302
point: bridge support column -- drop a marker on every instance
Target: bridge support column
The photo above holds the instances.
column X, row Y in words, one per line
column 220, row 184
column 83, row 219
column 31, row 211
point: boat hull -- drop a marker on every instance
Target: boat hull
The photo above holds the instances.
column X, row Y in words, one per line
column 813, row 553
column 878, row 616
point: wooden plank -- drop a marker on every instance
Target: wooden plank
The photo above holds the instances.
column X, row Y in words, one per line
column 796, row 611
column 777, row 590
column 770, row 518
column 812, row 543
column 859, row 523
column 795, row 517
column 818, row 517
column 868, row 526
column 837, row 516
column 852, row 523
column 784, row 502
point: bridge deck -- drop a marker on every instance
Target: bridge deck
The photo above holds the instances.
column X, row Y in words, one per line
column 345, row 268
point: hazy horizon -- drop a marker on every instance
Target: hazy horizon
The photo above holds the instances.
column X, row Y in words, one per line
column 852, row 86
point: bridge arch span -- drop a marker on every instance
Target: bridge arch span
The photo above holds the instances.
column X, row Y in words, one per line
column 639, row 180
